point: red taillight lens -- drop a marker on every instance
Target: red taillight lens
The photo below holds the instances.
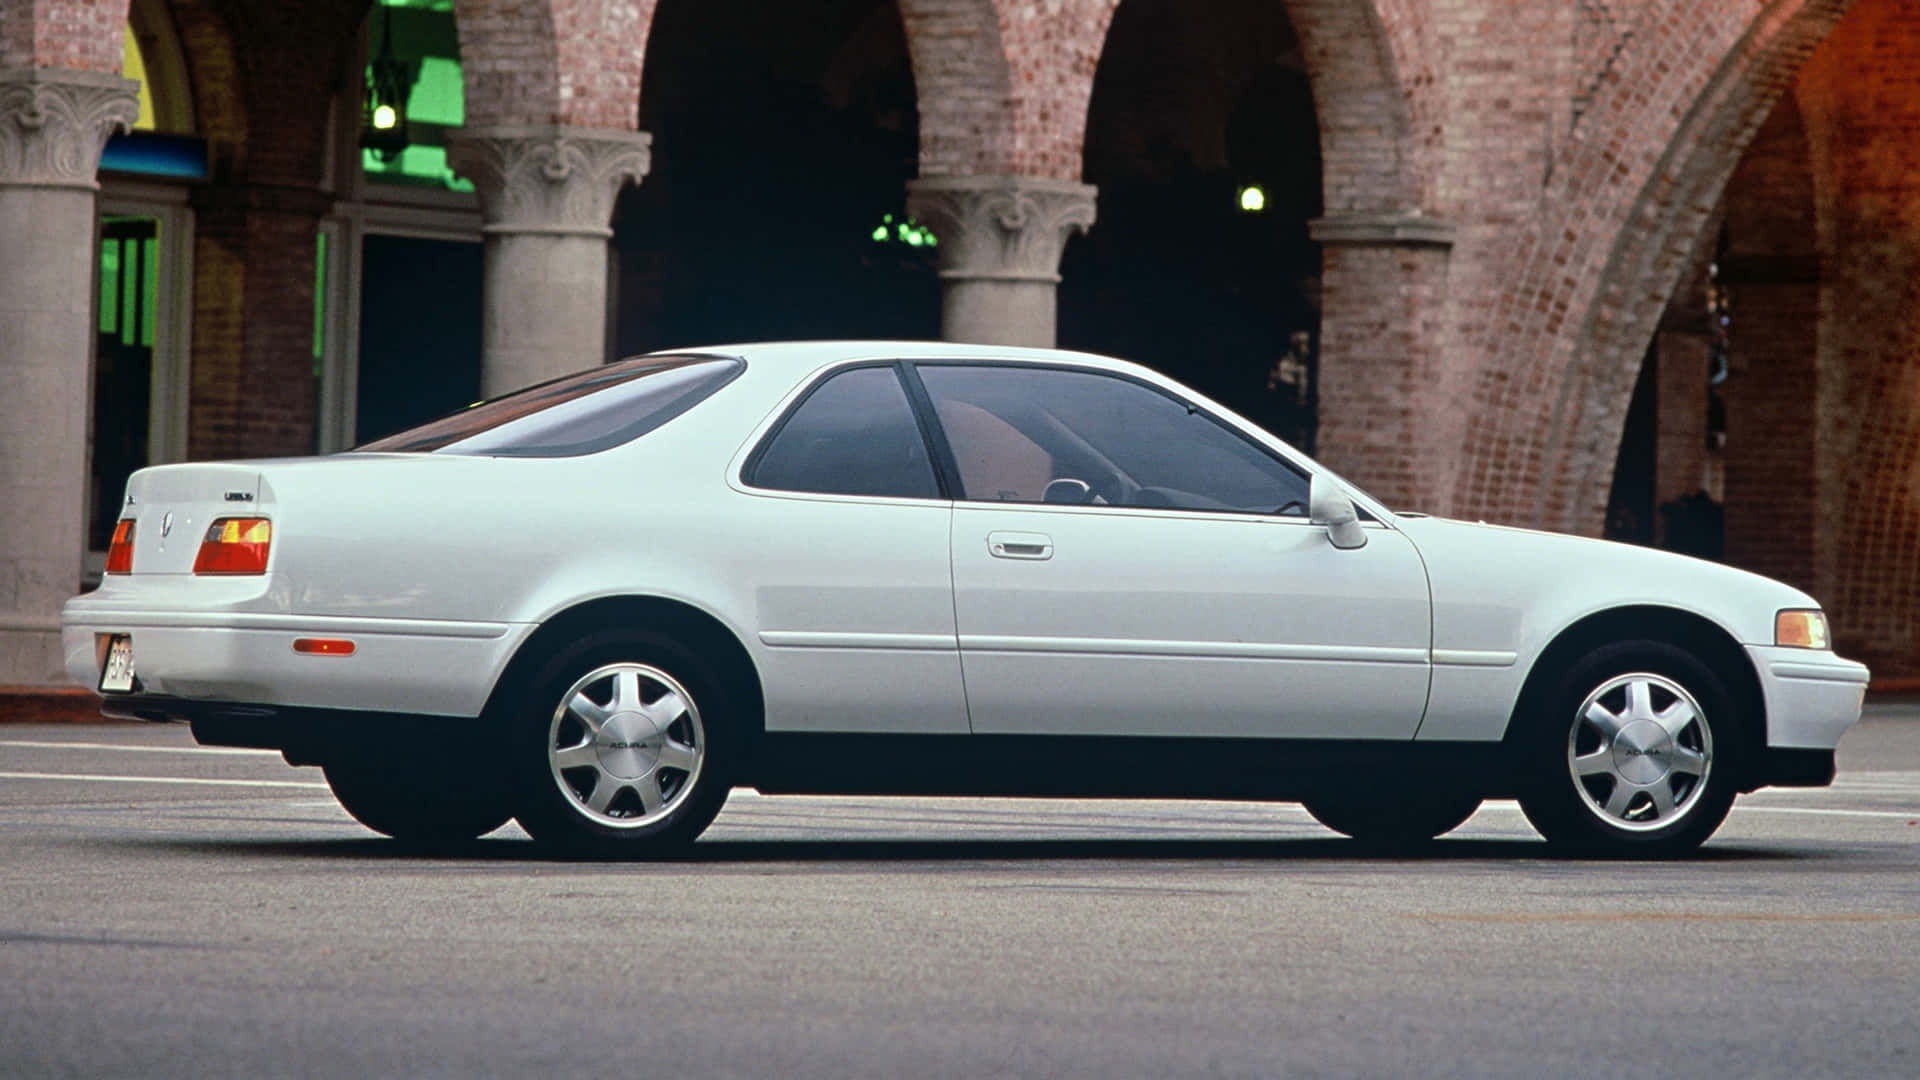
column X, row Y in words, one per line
column 235, row 546
column 120, row 552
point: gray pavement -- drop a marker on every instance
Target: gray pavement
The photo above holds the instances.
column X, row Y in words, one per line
column 167, row 910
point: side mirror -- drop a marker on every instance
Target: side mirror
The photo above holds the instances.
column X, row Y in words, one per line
column 1328, row 505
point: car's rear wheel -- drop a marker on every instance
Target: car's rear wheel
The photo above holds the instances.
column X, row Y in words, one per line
column 1635, row 754
column 419, row 798
column 622, row 746
column 1394, row 821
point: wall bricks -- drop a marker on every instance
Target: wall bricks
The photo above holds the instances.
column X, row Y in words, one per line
column 82, row 34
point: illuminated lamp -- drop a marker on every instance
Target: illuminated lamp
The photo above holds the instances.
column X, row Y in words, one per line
column 1253, row 198
column 383, row 119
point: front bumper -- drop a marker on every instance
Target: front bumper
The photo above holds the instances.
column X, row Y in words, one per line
column 1812, row 698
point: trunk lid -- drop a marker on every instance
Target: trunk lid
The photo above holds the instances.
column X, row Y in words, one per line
column 173, row 505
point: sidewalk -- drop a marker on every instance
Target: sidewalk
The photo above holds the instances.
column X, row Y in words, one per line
column 50, row 705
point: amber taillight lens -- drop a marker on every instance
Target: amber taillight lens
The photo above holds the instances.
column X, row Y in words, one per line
column 120, row 552
column 235, row 546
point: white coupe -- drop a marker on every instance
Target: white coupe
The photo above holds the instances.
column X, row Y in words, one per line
column 598, row 604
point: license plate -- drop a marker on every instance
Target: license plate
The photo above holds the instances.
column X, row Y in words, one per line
column 116, row 675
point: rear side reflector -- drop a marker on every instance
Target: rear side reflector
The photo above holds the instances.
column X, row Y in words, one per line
column 120, row 552
column 322, row 646
column 235, row 546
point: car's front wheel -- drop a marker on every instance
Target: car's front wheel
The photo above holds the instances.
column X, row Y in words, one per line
column 1395, row 820
column 622, row 747
column 1634, row 755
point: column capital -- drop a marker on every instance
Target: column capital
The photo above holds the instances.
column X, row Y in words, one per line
column 549, row 180
column 1382, row 228
column 1001, row 228
column 54, row 123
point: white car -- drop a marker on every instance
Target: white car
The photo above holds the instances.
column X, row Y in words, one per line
column 598, row 604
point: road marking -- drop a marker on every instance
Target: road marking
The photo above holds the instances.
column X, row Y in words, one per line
column 1909, row 815
column 96, row 778
column 1668, row 916
column 27, row 744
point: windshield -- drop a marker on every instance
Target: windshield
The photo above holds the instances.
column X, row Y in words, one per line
column 576, row 414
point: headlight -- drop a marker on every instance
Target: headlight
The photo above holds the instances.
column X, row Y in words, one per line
column 1801, row 629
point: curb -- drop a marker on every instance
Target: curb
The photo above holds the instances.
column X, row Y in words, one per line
column 51, row 705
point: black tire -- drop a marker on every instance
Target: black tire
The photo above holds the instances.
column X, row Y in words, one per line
column 653, row 774
column 418, row 799
column 1660, row 783
column 1392, row 822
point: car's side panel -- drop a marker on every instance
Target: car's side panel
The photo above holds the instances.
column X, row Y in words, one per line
column 852, row 605
column 1144, row 622
column 1508, row 593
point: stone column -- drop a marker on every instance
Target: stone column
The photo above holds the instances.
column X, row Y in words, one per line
column 1000, row 244
column 1390, row 414
column 546, row 199
column 53, row 125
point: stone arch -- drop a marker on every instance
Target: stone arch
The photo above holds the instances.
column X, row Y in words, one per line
column 1622, row 211
column 556, row 62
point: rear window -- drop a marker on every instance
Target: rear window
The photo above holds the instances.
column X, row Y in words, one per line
column 572, row 415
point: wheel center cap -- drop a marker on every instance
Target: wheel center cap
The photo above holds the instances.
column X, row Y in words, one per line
column 1642, row 752
column 628, row 745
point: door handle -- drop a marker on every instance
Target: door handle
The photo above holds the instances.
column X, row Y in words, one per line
column 1020, row 545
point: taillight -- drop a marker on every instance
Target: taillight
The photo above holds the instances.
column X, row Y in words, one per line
column 120, row 552
column 235, row 546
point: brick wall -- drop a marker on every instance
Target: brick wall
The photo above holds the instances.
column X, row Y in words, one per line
column 568, row 62
column 82, row 34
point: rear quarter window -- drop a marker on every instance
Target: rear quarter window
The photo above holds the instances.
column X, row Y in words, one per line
column 576, row 414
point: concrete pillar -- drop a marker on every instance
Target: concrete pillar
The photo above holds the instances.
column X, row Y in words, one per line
column 53, row 124
column 1392, row 415
column 546, row 199
column 1000, row 244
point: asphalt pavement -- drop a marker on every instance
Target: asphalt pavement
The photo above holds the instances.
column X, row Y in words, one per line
column 170, row 910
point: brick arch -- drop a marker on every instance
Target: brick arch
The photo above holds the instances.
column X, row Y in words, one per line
column 213, row 73
column 1372, row 68
column 1584, row 284
column 1004, row 85
column 1775, row 499
column 82, row 35
column 1863, row 129
column 567, row 62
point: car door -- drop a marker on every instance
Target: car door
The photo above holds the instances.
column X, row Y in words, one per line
column 853, row 595
column 1125, row 563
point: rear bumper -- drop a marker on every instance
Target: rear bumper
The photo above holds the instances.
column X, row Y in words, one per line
column 402, row 666
column 306, row 736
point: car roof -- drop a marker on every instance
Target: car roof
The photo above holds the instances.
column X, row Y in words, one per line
column 799, row 357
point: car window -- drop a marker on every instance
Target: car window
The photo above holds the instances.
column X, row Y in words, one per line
column 854, row 434
column 577, row 414
column 1072, row 436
